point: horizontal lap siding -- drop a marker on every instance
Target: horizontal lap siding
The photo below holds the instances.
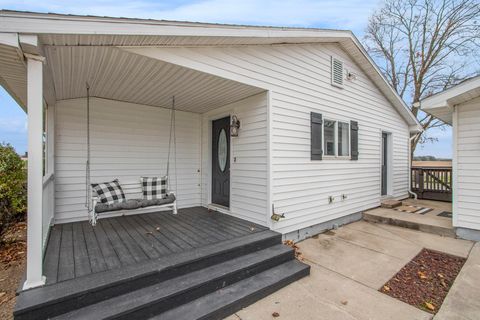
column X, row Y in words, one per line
column 298, row 77
column 467, row 193
column 127, row 141
column 301, row 187
column 248, row 174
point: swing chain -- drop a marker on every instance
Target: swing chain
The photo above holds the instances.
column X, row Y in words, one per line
column 88, row 193
column 172, row 135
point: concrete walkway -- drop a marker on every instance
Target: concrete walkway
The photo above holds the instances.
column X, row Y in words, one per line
column 349, row 265
column 463, row 299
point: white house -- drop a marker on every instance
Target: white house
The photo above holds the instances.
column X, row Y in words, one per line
column 459, row 106
column 322, row 135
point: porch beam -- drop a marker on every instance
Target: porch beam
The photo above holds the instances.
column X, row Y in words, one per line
column 35, row 171
column 9, row 39
column 177, row 56
column 31, row 45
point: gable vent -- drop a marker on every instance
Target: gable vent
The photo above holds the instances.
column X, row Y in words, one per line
column 337, row 72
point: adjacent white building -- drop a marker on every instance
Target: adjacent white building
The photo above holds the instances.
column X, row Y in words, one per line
column 459, row 106
column 322, row 135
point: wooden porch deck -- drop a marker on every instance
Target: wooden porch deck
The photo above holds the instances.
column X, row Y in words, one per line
column 78, row 249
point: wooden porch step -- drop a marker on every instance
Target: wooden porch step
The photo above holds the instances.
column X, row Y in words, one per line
column 150, row 301
column 228, row 300
column 63, row 297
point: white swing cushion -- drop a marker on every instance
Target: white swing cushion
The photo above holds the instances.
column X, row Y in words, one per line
column 109, row 192
column 154, row 187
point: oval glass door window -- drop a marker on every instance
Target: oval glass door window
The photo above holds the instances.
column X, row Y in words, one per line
column 222, row 150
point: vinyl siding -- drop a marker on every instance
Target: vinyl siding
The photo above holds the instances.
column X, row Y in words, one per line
column 127, row 141
column 298, row 78
column 468, row 165
column 248, row 158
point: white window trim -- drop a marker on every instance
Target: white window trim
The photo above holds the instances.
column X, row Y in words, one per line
column 325, row 155
column 335, row 139
column 348, row 140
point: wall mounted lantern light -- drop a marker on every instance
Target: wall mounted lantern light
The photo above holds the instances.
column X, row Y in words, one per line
column 234, row 126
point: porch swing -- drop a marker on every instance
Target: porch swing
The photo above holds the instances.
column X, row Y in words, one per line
column 131, row 188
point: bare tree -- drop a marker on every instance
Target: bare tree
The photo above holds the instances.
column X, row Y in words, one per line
column 425, row 46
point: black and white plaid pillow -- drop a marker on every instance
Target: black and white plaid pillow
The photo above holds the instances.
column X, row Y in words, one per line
column 109, row 192
column 154, row 188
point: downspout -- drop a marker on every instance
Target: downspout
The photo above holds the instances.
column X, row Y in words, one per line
column 415, row 196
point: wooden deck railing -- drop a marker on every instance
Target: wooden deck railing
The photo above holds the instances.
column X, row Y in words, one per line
column 433, row 183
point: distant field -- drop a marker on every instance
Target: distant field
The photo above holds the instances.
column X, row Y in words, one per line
column 441, row 164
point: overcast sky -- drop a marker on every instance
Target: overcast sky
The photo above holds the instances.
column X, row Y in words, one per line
column 346, row 14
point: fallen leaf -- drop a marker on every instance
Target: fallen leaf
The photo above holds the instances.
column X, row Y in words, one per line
column 275, row 314
column 443, row 283
column 2, row 294
column 440, row 275
column 386, row 288
column 429, row 306
column 422, row 275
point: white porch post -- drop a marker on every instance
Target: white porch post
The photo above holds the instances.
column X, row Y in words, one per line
column 35, row 171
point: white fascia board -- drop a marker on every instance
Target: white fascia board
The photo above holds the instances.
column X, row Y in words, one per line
column 445, row 97
column 64, row 24
column 442, row 104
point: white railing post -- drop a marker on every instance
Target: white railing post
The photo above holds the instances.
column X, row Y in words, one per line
column 35, row 171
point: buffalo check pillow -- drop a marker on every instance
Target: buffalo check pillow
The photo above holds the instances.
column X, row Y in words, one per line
column 154, row 188
column 109, row 192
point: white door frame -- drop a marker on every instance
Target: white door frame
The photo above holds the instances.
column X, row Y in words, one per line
column 389, row 164
column 207, row 121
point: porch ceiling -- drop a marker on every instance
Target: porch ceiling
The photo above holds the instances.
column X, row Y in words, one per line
column 13, row 75
column 119, row 75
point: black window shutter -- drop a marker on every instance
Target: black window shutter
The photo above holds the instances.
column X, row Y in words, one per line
column 354, row 139
column 316, row 136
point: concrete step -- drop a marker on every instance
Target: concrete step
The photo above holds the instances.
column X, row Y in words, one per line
column 391, row 203
column 228, row 300
column 150, row 301
column 411, row 221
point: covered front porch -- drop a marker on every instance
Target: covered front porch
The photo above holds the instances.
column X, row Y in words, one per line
column 124, row 125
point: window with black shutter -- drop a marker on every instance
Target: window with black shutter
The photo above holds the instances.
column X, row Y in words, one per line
column 333, row 139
